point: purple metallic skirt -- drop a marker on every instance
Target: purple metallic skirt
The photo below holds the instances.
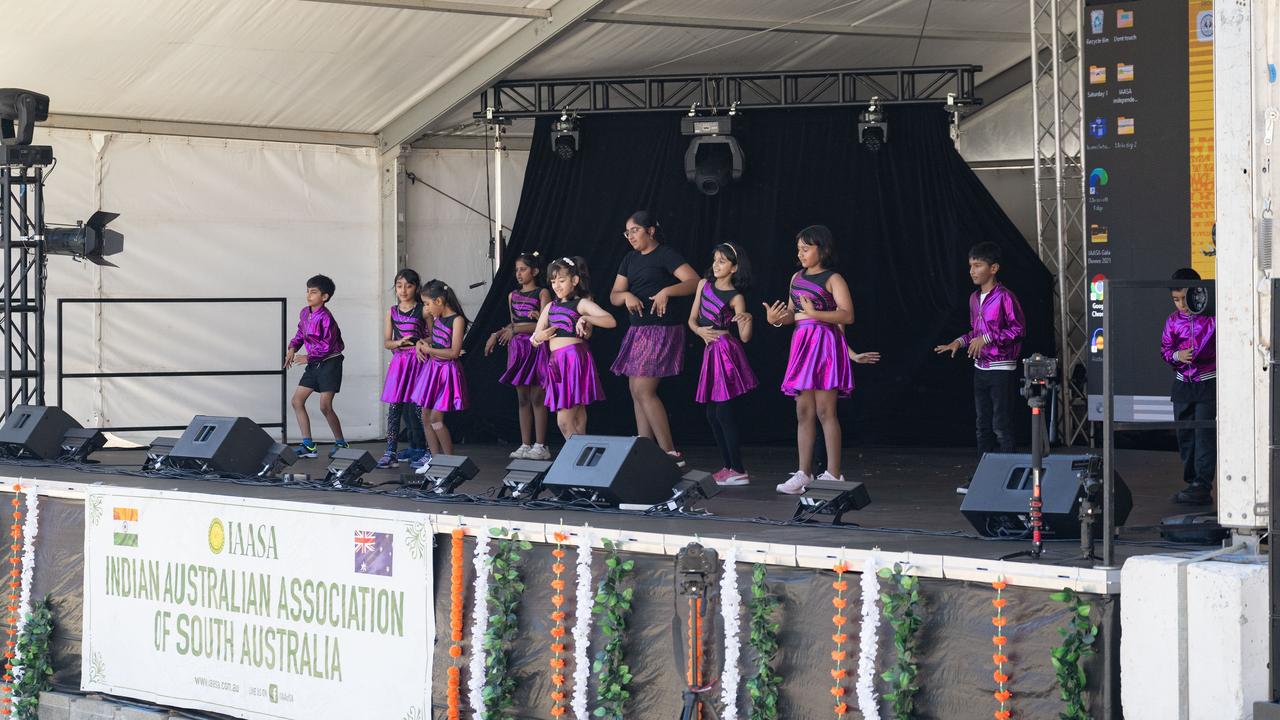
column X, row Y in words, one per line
column 571, row 378
column 526, row 365
column 402, row 376
column 441, row 386
column 726, row 374
column 650, row 351
column 819, row 360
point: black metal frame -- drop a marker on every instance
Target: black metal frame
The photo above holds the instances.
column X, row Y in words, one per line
column 22, row 240
column 1109, row 423
column 812, row 88
column 281, row 371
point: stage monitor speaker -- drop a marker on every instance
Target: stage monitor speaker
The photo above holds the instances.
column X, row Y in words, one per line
column 213, row 443
column 999, row 497
column 35, row 431
column 613, row 470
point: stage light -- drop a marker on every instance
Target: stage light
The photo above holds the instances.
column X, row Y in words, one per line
column 279, row 457
column 158, row 452
column 873, row 131
column 830, row 497
column 714, row 158
column 447, row 472
column 89, row 240
column 348, row 466
column 79, row 443
column 564, row 136
column 20, row 110
column 523, row 480
column 695, row 485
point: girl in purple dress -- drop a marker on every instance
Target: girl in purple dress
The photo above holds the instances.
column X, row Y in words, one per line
column 818, row 368
column 572, row 382
column 718, row 306
column 526, row 365
column 441, row 385
column 401, row 329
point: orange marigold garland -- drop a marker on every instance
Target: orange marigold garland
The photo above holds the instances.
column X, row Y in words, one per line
column 456, row 603
column 559, row 698
column 11, row 607
column 1000, row 659
column 840, row 637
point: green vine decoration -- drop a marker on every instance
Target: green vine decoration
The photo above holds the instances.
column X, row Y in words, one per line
column 419, row 540
column 612, row 606
column 33, row 665
column 1078, row 638
column 503, row 599
column 763, row 688
column 901, row 607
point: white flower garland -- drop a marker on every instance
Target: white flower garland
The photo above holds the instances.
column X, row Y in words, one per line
column 29, row 529
column 479, row 624
column 730, row 613
column 582, row 627
column 869, row 640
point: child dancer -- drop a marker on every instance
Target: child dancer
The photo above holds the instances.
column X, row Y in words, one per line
column 718, row 305
column 318, row 335
column 818, row 368
column 441, row 386
column 526, row 365
column 572, row 383
column 403, row 327
column 1187, row 345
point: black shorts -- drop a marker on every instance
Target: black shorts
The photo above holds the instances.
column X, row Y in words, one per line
column 323, row 376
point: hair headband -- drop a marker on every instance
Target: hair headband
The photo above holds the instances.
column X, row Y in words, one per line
column 568, row 262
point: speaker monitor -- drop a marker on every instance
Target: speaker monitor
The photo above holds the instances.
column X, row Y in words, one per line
column 613, row 470
column 233, row 445
column 35, row 431
column 999, row 497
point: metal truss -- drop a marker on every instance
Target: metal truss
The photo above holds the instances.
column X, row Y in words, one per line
column 22, row 321
column 825, row 88
column 1058, row 117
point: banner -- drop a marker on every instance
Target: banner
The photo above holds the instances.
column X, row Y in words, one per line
column 257, row 608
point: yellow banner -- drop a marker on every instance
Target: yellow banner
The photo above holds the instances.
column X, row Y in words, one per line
column 1200, row 86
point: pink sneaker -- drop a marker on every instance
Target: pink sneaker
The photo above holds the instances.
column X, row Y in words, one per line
column 720, row 475
column 734, row 478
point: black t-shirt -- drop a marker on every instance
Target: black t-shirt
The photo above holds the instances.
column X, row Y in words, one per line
column 646, row 275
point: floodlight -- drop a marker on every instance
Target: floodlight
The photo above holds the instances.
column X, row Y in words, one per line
column 89, row 240
column 714, row 158
column 831, row 497
column 348, row 466
column 873, row 131
column 564, row 136
column 20, row 110
column 523, row 480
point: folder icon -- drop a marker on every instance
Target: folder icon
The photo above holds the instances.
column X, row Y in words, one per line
column 1124, row 125
column 1098, row 233
column 1124, row 19
column 1124, row 72
column 1097, row 74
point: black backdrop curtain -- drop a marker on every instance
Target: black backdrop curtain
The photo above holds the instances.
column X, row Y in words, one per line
column 904, row 219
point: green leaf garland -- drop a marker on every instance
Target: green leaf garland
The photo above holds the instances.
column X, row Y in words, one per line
column 1078, row 639
column 503, row 600
column 901, row 607
column 763, row 607
column 613, row 608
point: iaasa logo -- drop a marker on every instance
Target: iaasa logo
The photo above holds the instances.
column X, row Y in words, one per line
column 217, row 536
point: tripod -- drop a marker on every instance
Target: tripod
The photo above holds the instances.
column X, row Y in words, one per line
column 1039, row 382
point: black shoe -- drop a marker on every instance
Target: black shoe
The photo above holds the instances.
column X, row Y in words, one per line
column 1194, row 494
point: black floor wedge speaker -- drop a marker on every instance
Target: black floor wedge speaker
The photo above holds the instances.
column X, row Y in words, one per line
column 999, row 497
column 213, row 443
column 615, row 470
column 35, row 431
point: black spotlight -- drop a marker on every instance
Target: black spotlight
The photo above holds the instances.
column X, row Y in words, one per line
column 695, row 485
column 158, row 453
column 20, row 110
column 447, row 472
column 523, row 480
column 831, row 497
column 279, row 457
column 88, row 240
column 564, row 136
column 347, row 467
column 873, row 131
column 714, row 158
column 79, row 443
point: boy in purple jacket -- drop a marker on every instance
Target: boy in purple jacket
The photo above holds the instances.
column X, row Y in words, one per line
column 321, row 340
column 1188, row 346
column 994, row 341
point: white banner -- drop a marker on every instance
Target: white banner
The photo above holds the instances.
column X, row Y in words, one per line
column 257, row 608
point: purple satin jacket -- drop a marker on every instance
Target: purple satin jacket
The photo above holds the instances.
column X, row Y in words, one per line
column 998, row 320
column 1195, row 332
column 318, row 333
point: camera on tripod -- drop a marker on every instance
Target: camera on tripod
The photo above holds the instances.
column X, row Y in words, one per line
column 1039, row 376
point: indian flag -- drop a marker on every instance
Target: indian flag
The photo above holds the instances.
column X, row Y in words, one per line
column 125, row 519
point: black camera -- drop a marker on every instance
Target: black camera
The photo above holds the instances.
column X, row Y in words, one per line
column 1040, row 369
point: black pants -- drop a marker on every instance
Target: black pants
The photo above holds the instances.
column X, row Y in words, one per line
column 993, row 394
column 1198, row 448
column 412, row 415
column 725, row 429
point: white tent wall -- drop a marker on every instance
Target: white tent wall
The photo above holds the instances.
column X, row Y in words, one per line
column 448, row 227
column 207, row 218
column 997, row 142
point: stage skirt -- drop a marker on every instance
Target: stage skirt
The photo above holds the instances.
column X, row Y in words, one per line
column 726, row 374
column 571, row 378
column 650, row 351
column 526, row 364
column 819, row 360
column 402, row 376
column 441, row 386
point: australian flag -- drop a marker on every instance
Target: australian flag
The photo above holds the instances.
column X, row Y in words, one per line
column 373, row 552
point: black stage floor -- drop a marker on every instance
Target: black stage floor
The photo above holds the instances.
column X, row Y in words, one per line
column 914, row 506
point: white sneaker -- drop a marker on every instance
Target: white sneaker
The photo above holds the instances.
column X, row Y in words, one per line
column 538, row 452
column 520, row 453
column 829, row 477
column 426, row 468
column 795, row 485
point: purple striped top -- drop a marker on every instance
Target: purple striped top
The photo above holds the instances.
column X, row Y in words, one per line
column 409, row 324
column 563, row 316
column 525, row 306
column 442, row 333
column 813, row 287
column 717, row 307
